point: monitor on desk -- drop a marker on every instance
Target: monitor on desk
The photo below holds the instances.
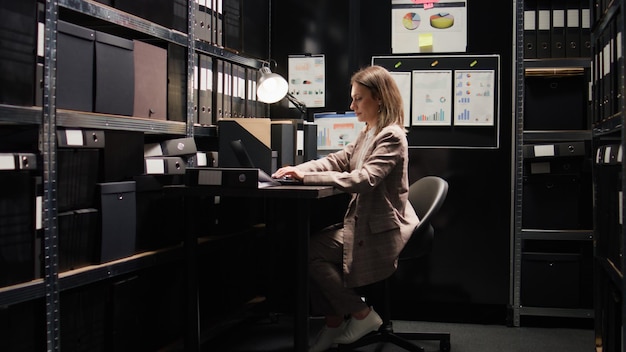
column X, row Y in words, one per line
column 336, row 129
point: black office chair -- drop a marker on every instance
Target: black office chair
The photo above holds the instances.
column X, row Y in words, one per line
column 427, row 196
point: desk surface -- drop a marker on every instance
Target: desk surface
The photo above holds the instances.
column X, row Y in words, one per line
column 283, row 191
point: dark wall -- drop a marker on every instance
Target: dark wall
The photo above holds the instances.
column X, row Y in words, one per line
column 467, row 276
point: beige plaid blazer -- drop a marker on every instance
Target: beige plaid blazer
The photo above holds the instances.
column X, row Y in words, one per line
column 379, row 219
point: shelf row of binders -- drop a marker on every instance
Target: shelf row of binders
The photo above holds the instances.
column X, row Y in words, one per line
column 608, row 71
column 556, row 29
column 107, row 69
column 609, row 222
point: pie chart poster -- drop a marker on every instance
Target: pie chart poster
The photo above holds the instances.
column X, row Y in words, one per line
column 428, row 27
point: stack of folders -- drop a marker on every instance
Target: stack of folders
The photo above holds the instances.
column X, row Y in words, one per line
column 608, row 67
column 166, row 157
column 556, row 29
column 234, row 87
column 17, row 217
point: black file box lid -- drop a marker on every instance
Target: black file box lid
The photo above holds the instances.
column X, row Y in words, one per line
column 118, row 214
column 117, row 187
column 115, row 75
column 75, row 64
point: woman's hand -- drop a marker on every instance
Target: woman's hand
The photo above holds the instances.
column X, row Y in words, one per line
column 289, row 172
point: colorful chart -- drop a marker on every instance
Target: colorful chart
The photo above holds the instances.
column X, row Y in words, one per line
column 442, row 20
column 411, row 21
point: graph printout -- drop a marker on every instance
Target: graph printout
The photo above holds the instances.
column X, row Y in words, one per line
column 474, row 97
column 432, row 101
column 403, row 80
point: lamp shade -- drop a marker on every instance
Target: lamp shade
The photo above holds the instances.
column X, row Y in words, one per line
column 271, row 87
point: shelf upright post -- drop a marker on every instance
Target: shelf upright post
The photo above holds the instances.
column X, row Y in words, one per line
column 48, row 149
column 192, row 328
column 518, row 167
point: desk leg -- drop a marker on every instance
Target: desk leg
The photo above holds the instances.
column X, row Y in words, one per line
column 301, row 337
column 192, row 328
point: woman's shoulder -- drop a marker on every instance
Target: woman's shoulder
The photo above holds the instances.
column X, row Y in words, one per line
column 393, row 130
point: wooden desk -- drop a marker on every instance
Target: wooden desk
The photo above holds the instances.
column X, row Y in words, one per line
column 298, row 196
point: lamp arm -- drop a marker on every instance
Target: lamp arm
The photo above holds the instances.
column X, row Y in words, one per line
column 298, row 104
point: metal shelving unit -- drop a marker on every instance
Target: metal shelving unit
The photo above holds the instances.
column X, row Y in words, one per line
column 47, row 118
column 608, row 135
column 522, row 137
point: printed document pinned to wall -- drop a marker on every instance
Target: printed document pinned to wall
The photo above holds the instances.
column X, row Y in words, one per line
column 423, row 26
column 307, row 79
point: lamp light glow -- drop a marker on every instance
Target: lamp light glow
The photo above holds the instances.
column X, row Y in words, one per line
column 271, row 87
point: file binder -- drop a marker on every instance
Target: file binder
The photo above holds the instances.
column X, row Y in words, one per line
column 251, row 76
column 224, row 177
column 585, row 30
column 557, row 34
column 164, row 165
column 202, row 22
column 239, row 88
column 530, row 29
column 205, row 92
column 77, row 138
column 543, row 30
column 572, row 29
column 219, row 30
column 171, row 147
column 196, row 88
column 228, row 89
column 219, row 96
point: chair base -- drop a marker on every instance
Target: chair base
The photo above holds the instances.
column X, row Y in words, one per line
column 402, row 339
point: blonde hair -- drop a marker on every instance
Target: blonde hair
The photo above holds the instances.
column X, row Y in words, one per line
column 379, row 81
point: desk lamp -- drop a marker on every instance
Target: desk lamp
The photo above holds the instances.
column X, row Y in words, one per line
column 272, row 87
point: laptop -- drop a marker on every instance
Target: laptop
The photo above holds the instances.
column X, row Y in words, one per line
column 264, row 179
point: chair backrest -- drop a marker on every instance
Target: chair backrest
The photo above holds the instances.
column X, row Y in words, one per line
column 426, row 195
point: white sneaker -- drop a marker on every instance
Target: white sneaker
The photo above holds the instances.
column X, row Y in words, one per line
column 356, row 328
column 325, row 337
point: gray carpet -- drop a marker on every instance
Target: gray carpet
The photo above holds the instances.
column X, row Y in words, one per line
column 268, row 336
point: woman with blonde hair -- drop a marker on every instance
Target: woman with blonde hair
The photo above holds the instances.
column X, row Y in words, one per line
column 364, row 249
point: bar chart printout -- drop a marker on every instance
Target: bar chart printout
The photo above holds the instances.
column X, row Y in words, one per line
column 432, row 101
column 474, row 97
column 335, row 131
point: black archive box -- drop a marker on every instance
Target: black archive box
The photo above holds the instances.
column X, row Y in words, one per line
column 17, row 226
column 555, row 103
column 18, row 28
column 115, row 75
column 118, row 209
column 78, row 234
column 551, row 280
column 75, row 67
column 78, row 162
column 555, row 201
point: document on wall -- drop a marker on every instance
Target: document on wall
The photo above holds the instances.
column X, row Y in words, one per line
column 307, row 79
column 403, row 80
column 474, row 100
column 428, row 27
column 432, row 100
